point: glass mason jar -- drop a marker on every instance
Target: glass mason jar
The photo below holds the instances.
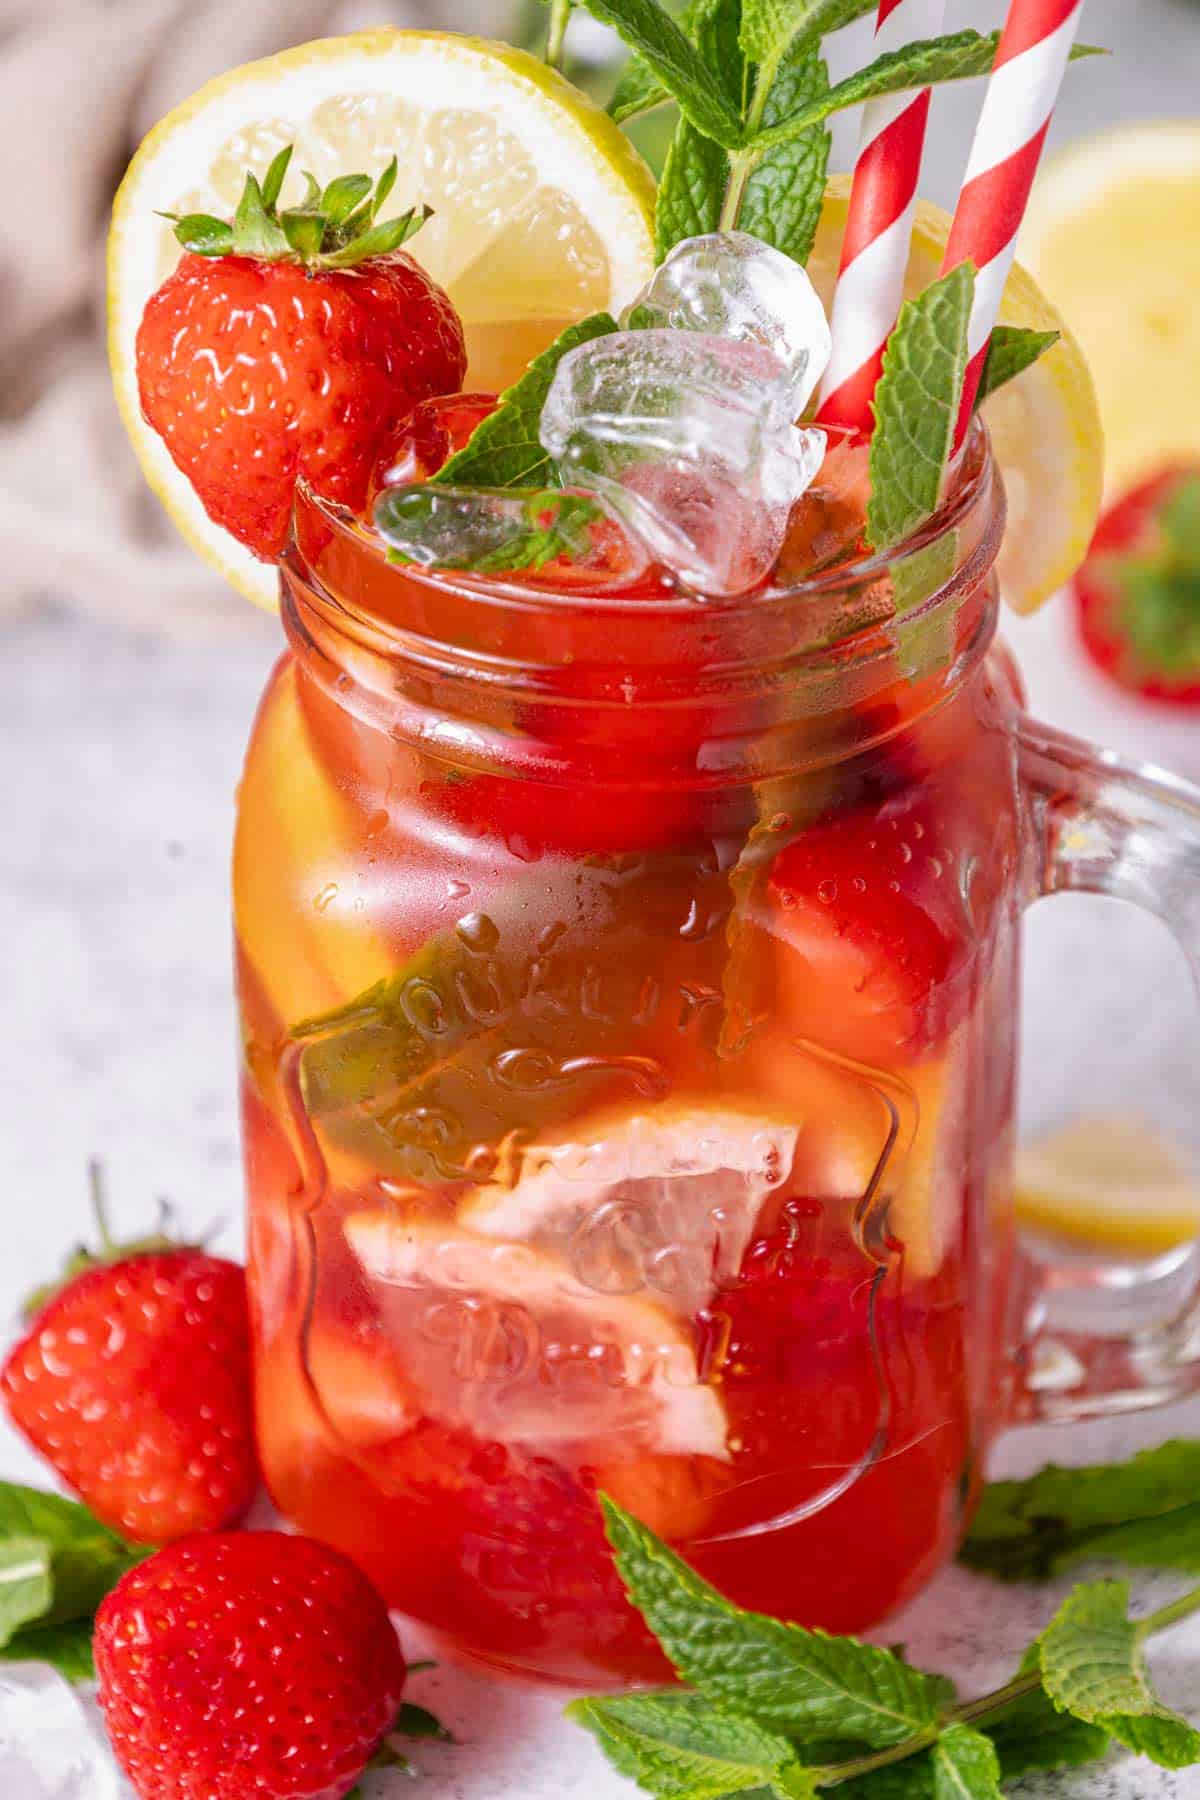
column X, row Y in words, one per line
column 629, row 989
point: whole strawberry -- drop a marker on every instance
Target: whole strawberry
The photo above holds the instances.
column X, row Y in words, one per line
column 250, row 1666
column 133, row 1381
column 288, row 346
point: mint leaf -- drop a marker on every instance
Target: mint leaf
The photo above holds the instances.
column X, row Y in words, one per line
column 86, row 1560
column 772, row 27
column 1143, row 1510
column 504, row 451
column 67, row 1648
column 692, row 189
column 916, row 407
column 784, row 192
column 1094, row 1667
column 638, row 91
column 965, row 1766
column 799, row 1682
column 680, row 1747
column 492, row 531
column 654, row 35
column 1031, row 1733
column 1012, row 351
column 696, row 172
column 961, row 56
column 26, row 1588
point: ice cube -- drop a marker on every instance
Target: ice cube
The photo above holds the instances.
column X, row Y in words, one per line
column 730, row 284
column 495, row 531
column 51, row 1747
column 690, row 439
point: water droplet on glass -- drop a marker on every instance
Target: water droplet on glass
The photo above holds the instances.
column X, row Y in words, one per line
column 326, row 897
column 478, row 932
column 457, row 890
column 827, row 892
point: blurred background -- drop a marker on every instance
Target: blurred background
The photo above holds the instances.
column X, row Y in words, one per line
column 130, row 676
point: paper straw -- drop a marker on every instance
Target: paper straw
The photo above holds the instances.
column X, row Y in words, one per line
column 879, row 226
column 1030, row 64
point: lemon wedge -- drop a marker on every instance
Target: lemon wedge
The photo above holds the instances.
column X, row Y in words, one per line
column 543, row 211
column 1111, row 1180
column 1045, row 425
column 1113, row 236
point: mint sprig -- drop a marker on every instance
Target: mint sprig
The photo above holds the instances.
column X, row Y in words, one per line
column 771, row 28
column 775, row 1710
column 783, row 192
column 916, row 407
column 335, row 227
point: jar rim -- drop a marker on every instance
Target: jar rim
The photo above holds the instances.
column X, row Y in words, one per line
column 980, row 482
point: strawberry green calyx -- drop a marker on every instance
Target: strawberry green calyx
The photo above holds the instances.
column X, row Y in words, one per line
column 1160, row 591
column 84, row 1258
column 336, row 227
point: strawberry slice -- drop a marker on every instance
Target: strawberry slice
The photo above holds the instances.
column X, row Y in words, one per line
column 875, row 942
column 1137, row 597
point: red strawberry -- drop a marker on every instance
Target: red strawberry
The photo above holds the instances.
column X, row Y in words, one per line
column 134, row 1383
column 1137, row 596
column 874, row 933
column 250, row 1666
column 431, row 434
column 289, row 347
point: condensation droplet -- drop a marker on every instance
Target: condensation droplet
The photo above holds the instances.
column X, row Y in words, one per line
column 478, row 932
column 457, row 890
column 326, row 897
column 827, row 892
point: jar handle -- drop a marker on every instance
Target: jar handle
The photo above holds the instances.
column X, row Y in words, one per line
column 1110, row 1337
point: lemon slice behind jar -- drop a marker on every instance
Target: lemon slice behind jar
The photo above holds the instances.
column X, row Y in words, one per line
column 1110, row 1180
column 1113, row 235
column 1045, row 425
column 542, row 208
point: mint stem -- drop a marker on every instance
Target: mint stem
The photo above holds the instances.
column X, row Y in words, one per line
column 974, row 1712
column 560, row 15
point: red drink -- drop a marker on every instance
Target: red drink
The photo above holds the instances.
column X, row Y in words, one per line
column 629, row 995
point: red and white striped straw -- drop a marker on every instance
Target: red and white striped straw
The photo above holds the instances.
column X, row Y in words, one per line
column 879, row 226
column 1030, row 64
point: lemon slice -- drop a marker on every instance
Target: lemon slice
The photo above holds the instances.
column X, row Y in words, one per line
column 661, row 1203
column 1113, row 235
column 506, row 1340
column 542, row 209
column 1045, row 425
column 1112, row 1180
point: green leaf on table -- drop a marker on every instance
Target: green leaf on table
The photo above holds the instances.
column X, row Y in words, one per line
column 1013, row 349
column 1143, row 1511
column 965, row 1766
column 678, row 1746
column 961, row 56
column 504, row 451
column 801, row 1683
column 413, row 1721
column 1030, row 1733
column 916, row 407
column 670, row 55
column 782, row 199
column 66, row 1647
column 26, row 1587
column 772, row 27
column 1094, row 1667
